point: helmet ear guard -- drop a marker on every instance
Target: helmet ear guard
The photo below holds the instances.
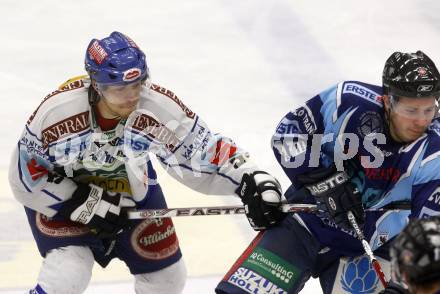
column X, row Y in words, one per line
column 93, row 93
column 411, row 75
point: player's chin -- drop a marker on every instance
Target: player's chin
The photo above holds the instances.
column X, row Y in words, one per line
column 412, row 136
column 125, row 111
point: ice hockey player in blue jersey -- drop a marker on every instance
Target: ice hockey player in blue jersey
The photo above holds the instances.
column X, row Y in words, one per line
column 356, row 148
column 83, row 161
column 415, row 258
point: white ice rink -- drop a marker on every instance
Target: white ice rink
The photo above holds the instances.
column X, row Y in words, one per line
column 241, row 65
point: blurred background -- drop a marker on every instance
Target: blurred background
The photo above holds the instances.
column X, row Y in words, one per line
column 241, row 65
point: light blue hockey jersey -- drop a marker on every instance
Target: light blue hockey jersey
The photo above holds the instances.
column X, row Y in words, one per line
column 347, row 122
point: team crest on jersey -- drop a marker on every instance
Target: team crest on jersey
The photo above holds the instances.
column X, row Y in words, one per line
column 59, row 228
column 370, row 122
column 383, row 238
column 155, row 239
column 358, row 276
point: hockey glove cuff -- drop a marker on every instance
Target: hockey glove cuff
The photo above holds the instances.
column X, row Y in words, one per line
column 103, row 212
column 335, row 195
column 261, row 196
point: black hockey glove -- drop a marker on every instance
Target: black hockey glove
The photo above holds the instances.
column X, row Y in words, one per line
column 261, row 196
column 103, row 212
column 334, row 195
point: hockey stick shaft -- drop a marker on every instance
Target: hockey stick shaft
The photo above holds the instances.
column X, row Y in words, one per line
column 213, row 210
column 376, row 265
column 217, row 210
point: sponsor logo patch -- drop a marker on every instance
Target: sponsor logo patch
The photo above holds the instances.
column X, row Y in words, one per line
column 155, row 239
column 272, row 267
column 59, row 228
column 200, row 141
column 386, row 174
column 131, row 74
column 422, row 71
column 424, row 88
column 361, row 91
column 97, row 52
column 252, row 282
column 151, row 127
column 307, row 120
column 288, row 127
column 108, row 184
column 70, row 125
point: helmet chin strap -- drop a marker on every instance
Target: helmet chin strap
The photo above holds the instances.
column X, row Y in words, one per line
column 96, row 96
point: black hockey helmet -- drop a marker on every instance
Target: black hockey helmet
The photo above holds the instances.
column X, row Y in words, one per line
column 410, row 75
column 416, row 252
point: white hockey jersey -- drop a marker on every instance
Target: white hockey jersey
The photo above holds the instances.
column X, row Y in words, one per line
column 62, row 145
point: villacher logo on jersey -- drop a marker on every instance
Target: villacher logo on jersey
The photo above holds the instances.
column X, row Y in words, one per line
column 131, row 74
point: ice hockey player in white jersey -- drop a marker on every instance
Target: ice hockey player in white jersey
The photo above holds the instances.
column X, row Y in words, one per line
column 83, row 161
column 373, row 151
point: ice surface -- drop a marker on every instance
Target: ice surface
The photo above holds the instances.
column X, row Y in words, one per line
column 241, row 65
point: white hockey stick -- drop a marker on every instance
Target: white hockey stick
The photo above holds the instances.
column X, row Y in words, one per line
column 222, row 210
column 376, row 265
column 213, row 210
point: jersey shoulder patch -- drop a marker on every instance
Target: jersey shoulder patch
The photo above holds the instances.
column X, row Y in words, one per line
column 365, row 91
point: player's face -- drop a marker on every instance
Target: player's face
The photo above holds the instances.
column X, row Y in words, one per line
column 409, row 117
column 122, row 99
